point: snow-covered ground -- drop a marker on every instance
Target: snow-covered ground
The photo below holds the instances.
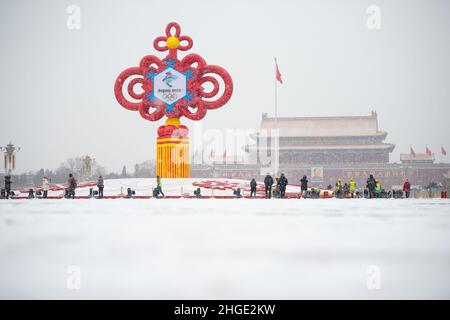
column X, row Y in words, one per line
column 224, row 248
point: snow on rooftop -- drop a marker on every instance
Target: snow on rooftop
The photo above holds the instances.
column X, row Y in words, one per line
column 323, row 126
column 416, row 157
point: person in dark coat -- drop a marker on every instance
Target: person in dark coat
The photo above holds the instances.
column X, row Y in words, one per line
column 346, row 189
column 253, row 188
column 100, row 186
column 268, row 183
column 72, row 185
column 407, row 188
column 371, row 184
column 282, row 182
column 159, row 186
column 303, row 185
column 338, row 189
column 8, row 186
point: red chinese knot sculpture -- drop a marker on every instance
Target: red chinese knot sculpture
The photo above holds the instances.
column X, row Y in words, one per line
column 173, row 87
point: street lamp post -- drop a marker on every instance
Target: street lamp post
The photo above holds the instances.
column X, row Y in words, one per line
column 9, row 153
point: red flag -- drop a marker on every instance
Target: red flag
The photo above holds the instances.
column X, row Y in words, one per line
column 443, row 151
column 412, row 151
column 278, row 73
column 428, row 151
column 224, row 155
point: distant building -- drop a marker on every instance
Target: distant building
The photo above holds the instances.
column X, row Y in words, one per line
column 417, row 159
column 324, row 140
column 326, row 149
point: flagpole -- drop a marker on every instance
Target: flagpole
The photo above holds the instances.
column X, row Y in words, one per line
column 225, row 159
column 276, row 146
column 276, row 93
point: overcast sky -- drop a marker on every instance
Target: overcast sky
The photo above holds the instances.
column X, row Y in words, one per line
column 56, row 84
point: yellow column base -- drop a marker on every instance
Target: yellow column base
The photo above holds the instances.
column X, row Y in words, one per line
column 172, row 157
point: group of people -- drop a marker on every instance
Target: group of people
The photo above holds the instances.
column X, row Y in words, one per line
column 280, row 182
column 72, row 185
column 373, row 186
column 346, row 190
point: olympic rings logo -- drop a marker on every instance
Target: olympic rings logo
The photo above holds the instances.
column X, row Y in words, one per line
column 170, row 96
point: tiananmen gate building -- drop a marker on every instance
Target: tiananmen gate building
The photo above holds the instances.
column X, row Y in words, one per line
column 325, row 149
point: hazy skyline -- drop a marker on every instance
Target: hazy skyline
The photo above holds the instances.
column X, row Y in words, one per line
column 57, row 84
